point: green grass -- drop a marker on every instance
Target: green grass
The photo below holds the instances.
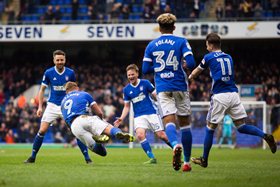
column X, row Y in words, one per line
column 123, row 167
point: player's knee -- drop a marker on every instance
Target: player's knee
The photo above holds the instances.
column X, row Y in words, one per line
column 212, row 126
column 161, row 134
column 140, row 136
column 184, row 121
column 239, row 122
column 41, row 133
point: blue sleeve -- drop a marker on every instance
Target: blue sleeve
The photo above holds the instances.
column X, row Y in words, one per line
column 190, row 61
column 147, row 67
column 150, row 86
column 204, row 62
column 73, row 76
column 89, row 98
column 125, row 96
column 46, row 79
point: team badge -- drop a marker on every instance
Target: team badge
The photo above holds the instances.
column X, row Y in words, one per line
column 66, row 78
column 141, row 88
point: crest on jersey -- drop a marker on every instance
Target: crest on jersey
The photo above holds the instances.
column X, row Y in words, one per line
column 66, row 78
column 131, row 92
column 141, row 88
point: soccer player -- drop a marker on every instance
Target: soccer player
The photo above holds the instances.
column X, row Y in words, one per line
column 75, row 108
column 138, row 92
column 225, row 98
column 54, row 77
column 226, row 128
column 164, row 57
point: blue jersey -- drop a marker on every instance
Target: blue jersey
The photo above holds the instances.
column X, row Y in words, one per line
column 56, row 81
column 221, row 71
column 166, row 54
column 74, row 104
column 139, row 95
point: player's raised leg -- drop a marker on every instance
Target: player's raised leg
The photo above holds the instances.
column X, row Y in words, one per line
column 252, row 130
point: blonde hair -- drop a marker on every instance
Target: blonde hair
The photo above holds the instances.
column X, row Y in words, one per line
column 132, row 67
column 70, row 86
column 166, row 20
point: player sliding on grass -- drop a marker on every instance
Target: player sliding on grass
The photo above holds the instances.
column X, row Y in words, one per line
column 138, row 92
column 163, row 57
column 54, row 78
column 225, row 98
column 75, row 108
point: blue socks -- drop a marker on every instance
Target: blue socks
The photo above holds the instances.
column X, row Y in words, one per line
column 250, row 129
column 186, row 138
column 83, row 149
column 171, row 133
column 37, row 144
column 147, row 148
column 208, row 141
column 114, row 131
column 100, row 149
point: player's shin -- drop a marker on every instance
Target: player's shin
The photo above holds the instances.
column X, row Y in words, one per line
column 186, row 138
column 171, row 134
column 37, row 144
column 250, row 129
column 147, row 148
column 83, row 149
column 208, row 141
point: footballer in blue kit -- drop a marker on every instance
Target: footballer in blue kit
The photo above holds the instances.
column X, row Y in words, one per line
column 224, row 99
column 54, row 78
column 164, row 57
column 76, row 108
column 139, row 92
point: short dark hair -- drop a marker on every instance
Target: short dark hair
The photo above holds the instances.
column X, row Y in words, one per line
column 214, row 39
column 132, row 67
column 59, row 52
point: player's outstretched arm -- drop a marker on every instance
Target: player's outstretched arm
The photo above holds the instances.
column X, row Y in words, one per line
column 195, row 73
column 125, row 111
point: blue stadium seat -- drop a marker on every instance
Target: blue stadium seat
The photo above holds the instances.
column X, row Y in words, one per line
column 68, row 10
column 53, row 2
column 67, row 2
column 35, row 18
column 60, row 2
column 41, row 10
column 83, row 10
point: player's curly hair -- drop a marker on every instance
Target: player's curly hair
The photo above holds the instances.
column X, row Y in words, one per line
column 166, row 20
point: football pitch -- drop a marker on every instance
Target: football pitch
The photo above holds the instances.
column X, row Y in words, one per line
column 65, row 167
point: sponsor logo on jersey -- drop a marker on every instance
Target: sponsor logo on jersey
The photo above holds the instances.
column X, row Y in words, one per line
column 167, row 75
column 58, row 88
column 141, row 97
